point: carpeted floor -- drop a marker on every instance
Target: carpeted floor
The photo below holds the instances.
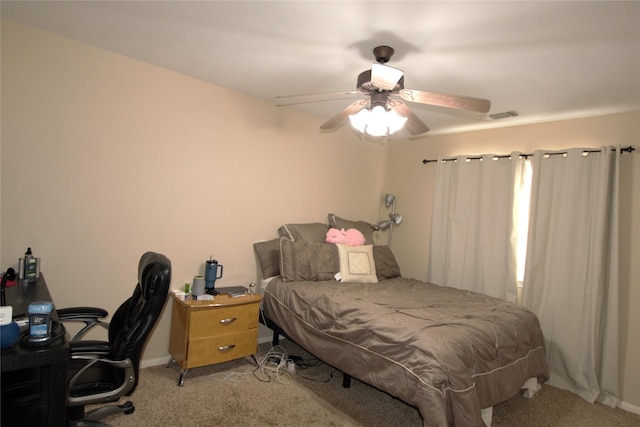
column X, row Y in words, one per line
column 230, row 394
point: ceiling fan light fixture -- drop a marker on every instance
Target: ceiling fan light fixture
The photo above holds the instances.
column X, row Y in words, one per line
column 377, row 121
column 359, row 120
column 395, row 121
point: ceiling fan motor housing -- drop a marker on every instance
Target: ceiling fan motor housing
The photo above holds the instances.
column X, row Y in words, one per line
column 383, row 53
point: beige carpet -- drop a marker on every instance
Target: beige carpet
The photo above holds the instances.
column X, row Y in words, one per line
column 230, row 395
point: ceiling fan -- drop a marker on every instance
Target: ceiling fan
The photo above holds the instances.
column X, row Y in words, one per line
column 384, row 89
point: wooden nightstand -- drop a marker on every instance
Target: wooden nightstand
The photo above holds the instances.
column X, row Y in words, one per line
column 208, row 332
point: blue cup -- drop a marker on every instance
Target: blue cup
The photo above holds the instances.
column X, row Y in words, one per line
column 212, row 271
column 9, row 335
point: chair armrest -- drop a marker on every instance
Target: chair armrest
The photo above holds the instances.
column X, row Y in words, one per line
column 79, row 313
column 92, row 347
column 90, row 316
column 121, row 389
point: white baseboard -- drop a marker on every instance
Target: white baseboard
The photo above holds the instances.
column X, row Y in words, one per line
column 629, row 407
column 154, row 362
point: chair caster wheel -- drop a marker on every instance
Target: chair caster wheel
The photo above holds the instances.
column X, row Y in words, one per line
column 127, row 407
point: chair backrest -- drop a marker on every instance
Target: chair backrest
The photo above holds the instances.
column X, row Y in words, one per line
column 133, row 322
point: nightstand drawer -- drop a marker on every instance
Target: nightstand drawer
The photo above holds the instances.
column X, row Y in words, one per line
column 205, row 351
column 204, row 332
column 223, row 320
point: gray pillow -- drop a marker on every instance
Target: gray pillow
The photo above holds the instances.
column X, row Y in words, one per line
column 307, row 261
column 386, row 264
column 313, row 232
column 269, row 257
column 364, row 227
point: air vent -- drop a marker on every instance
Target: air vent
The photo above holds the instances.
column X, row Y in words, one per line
column 504, row 115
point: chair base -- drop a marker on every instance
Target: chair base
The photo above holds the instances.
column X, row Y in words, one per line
column 93, row 417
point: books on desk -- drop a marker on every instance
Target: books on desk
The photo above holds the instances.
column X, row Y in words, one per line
column 233, row 291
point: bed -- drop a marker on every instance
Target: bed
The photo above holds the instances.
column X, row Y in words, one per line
column 453, row 354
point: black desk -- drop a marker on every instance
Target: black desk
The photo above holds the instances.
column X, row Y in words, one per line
column 34, row 379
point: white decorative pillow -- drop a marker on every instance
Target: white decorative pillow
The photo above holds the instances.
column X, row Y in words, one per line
column 357, row 264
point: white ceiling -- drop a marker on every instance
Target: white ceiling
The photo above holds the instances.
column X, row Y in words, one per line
column 547, row 60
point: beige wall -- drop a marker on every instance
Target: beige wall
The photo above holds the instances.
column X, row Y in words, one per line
column 105, row 157
column 412, row 182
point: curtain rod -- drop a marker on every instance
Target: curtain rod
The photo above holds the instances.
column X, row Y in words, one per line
column 628, row 149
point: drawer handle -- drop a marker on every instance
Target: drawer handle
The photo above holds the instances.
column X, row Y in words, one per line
column 226, row 347
column 229, row 320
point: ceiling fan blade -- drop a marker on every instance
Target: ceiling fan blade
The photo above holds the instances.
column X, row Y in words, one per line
column 340, row 118
column 479, row 105
column 315, row 97
column 385, row 77
column 414, row 125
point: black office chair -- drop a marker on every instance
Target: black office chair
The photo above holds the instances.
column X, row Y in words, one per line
column 101, row 371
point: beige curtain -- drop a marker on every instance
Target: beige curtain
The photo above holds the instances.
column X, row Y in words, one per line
column 571, row 272
column 473, row 239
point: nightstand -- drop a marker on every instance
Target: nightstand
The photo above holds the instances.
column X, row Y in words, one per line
column 208, row 332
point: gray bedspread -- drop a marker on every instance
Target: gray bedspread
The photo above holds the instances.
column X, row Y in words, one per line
column 446, row 351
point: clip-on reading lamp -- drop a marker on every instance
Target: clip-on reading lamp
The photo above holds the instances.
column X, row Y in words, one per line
column 10, row 274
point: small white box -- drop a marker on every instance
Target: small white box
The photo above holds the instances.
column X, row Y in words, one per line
column 6, row 315
column 179, row 294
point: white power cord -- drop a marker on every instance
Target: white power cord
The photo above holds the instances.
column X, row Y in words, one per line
column 274, row 365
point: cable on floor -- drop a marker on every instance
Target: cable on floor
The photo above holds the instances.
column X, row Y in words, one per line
column 273, row 365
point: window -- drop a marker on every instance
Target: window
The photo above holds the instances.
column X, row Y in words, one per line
column 522, row 199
